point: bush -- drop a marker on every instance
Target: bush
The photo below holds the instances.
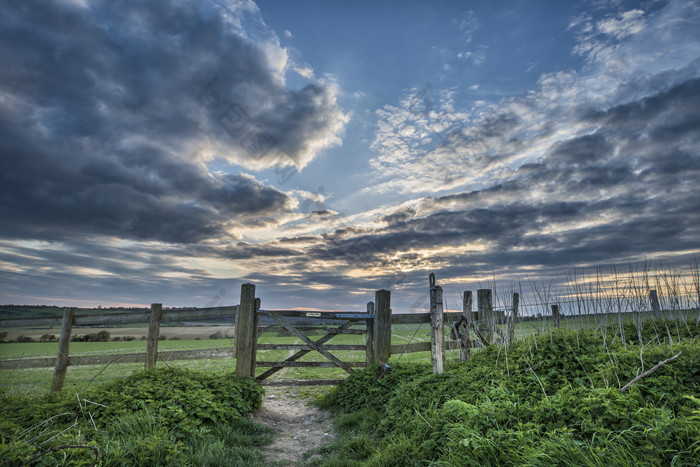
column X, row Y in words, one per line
column 551, row 400
column 180, row 399
column 47, row 338
column 218, row 335
column 160, row 417
column 24, row 339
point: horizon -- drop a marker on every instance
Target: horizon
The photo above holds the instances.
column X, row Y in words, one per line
column 170, row 151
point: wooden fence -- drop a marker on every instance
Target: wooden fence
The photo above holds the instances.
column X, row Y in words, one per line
column 156, row 315
column 468, row 329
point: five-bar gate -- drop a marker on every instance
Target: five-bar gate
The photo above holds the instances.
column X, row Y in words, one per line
column 303, row 324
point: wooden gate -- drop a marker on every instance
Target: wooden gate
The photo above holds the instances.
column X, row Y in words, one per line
column 300, row 324
column 330, row 323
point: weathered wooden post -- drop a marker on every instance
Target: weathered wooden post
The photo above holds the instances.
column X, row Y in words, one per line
column 556, row 317
column 153, row 334
column 370, row 355
column 245, row 333
column 256, row 324
column 514, row 318
column 437, row 326
column 466, row 344
column 486, row 318
column 59, row 374
column 382, row 326
column 655, row 306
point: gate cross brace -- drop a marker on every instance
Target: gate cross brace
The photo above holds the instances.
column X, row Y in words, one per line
column 314, row 345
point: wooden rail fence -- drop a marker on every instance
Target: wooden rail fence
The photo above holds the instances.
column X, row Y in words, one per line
column 468, row 329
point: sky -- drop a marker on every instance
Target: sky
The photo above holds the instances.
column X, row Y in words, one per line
column 169, row 151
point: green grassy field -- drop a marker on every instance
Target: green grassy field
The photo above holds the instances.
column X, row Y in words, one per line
column 38, row 380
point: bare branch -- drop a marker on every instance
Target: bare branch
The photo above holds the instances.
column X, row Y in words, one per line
column 648, row 372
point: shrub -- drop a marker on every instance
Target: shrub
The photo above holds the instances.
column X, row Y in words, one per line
column 217, row 335
column 181, row 399
column 160, row 417
column 551, row 400
column 24, row 339
column 102, row 336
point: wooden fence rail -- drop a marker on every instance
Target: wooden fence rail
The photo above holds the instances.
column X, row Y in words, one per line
column 81, row 360
column 468, row 329
column 71, row 319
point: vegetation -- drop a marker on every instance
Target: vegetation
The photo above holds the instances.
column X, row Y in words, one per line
column 554, row 397
column 160, row 417
column 551, row 399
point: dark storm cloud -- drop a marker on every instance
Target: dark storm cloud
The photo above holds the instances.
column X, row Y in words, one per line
column 595, row 167
column 105, row 128
column 623, row 191
column 244, row 250
column 615, row 193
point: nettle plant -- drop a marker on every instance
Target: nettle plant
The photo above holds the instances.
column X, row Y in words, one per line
column 557, row 399
column 181, row 399
column 159, row 417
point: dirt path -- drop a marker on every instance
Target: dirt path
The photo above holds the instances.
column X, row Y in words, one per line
column 300, row 426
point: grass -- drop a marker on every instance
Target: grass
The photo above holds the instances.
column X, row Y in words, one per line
column 164, row 417
column 38, row 380
column 48, row 349
column 556, row 401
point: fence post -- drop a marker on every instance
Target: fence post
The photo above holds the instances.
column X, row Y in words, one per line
column 514, row 318
column 370, row 354
column 382, row 325
column 59, row 374
column 256, row 324
column 153, row 334
column 245, row 333
column 654, row 298
column 486, row 318
column 466, row 344
column 437, row 325
column 555, row 316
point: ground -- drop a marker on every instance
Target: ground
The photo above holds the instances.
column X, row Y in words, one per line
column 300, row 426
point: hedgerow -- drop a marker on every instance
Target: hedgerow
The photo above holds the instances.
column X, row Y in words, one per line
column 554, row 399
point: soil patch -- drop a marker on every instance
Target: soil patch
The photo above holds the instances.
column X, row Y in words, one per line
column 300, row 426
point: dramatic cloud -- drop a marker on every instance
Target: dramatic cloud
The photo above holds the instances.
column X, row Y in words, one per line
column 112, row 113
column 136, row 139
column 595, row 167
column 425, row 145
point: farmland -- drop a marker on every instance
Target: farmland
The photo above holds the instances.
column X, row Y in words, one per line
column 553, row 396
column 37, row 380
column 527, row 402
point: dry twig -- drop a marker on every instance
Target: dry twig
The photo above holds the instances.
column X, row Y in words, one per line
column 648, row 372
